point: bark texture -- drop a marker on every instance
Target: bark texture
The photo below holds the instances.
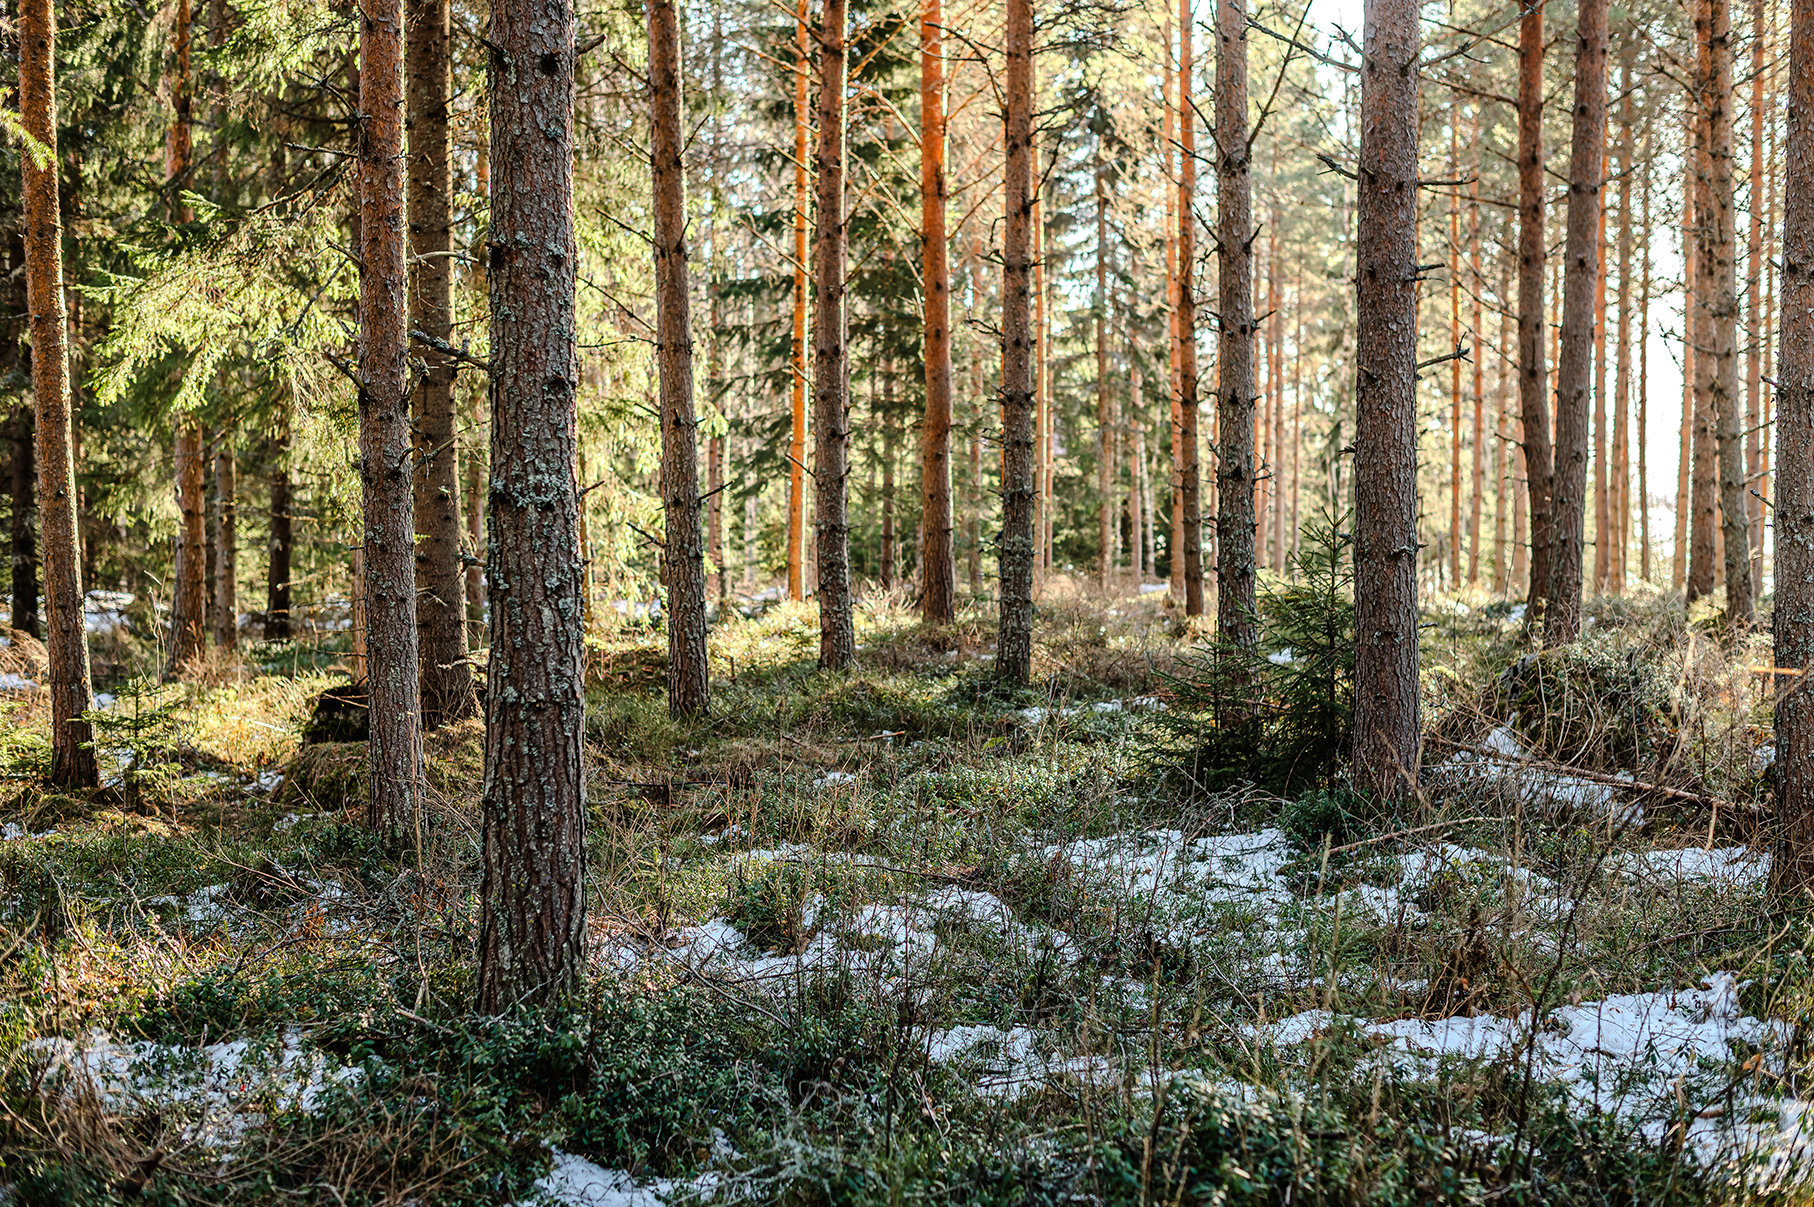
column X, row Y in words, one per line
column 1014, row 642
column 532, row 928
column 226, row 546
column 1190, row 477
column 831, row 356
column 1236, row 621
column 683, row 557
column 1533, row 376
column 1792, row 865
column 446, row 676
column 796, row 449
column 1385, row 441
column 938, row 565
column 24, row 537
column 385, row 445
column 277, row 565
column 1574, row 365
column 71, row 691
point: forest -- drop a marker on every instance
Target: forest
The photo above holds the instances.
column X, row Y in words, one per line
column 985, row 602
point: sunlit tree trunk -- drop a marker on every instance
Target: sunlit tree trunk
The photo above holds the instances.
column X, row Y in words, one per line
column 1014, row 644
column 277, row 566
column 1385, row 441
column 1477, row 283
column 1644, row 386
column 1175, row 463
column 71, row 691
column 1620, row 538
column 1754, row 271
column 938, row 567
column 24, row 539
column 1601, row 448
column 1792, row 867
column 796, row 447
column 189, row 594
column 1686, row 503
column 831, row 355
column 682, row 557
column 1454, row 346
column 1574, row 364
column 1190, row 492
column 1105, row 425
column 1504, row 492
column 1704, row 462
column 1533, row 376
column 532, row 924
column 1235, row 390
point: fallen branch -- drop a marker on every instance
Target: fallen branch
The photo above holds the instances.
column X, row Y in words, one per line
column 1596, row 777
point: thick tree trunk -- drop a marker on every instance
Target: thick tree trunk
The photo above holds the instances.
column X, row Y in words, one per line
column 1719, row 277
column 1574, row 365
column 796, row 448
column 1190, row 481
column 1236, row 608
column 938, row 580
column 277, row 573
column 71, row 692
column 1014, row 642
column 683, row 561
column 1533, row 377
column 24, row 544
column 1620, row 537
column 1704, row 430
column 226, row 551
column 1505, row 494
column 385, row 445
column 1386, row 732
column 532, row 929
column 831, row 355
column 446, row 676
column 1792, row 865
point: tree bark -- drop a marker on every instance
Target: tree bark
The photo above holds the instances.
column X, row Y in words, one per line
column 1533, row 377
column 71, row 691
column 1455, row 346
column 1754, row 271
column 277, row 572
column 938, row 579
column 446, row 675
column 189, row 596
column 1014, row 643
column 1620, row 539
column 1704, row 429
column 1190, row 482
column 25, row 524
column 683, row 560
column 1386, row 730
column 1644, row 386
column 1477, row 283
column 1236, row 607
column 226, row 551
column 532, row 929
column 1105, row 419
column 1574, row 363
column 796, row 449
column 1792, row 864
column 831, row 355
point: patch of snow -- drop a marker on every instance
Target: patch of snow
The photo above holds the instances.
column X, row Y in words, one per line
column 104, row 699
column 1537, row 787
column 289, row 821
column 16, row 683
column 835, row 777
column 1733, row 865
column 266, row 781
column 1153, row 588
column 577, row 1182
column 1516, row 615
column 203, row 907
column 1284, row 657
column 13, row 832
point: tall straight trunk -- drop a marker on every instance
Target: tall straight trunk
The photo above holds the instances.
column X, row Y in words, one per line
column 1105, row 424
column 1275, row 380
column 189, row 596
column 532, row 925
column 888, row 452
column 1297, row 421
column 1014, row 644
column 1455, row 346
column 280, row 523
column 1504, row 492
column 1574, row 362
column 446, row 675
column 385, row 443
column 831, row 363
column 1042, row 378
column 211, row 527
column 1704, row 457
column 1190, row 489
column 1236, row 605
column 24, row 540
column 1478, row 284
column 1771, row 140
column 683, row 558
column 1754, row 271
column 1385, row 440
column 226, row 556
column 1792, row 867
column 715, row 451
column 473, row 470
column 1621, row 408
column 71, row 691
column 796, row 448
column 1718, row 302
column 1684, row 502
column 1601, row 446
column 1174, row 554
column 938, row 575
column 1644, row 386
column 1533, row 376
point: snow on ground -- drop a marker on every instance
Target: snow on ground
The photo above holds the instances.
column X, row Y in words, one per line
column 1538, row 788
column 214, row 1089
column 1038, row 715
column 16, row 683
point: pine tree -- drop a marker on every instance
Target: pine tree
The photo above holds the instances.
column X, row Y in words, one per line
column 831, row 354
column 1014, row 642
column 938, row 568
column 1533, row 377
column 1236, row 606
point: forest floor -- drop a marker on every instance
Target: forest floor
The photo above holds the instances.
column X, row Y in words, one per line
column 895, row 935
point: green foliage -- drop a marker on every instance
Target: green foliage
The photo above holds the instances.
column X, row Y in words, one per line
column 139, row 731
column 1601, row 702
column 1281, row 715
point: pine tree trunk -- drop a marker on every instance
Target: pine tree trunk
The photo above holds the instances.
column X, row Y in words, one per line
column 226, row 556
column 1792, row 865
column 277, row 567
column 446, row 676
column 683, row 563
column 1504, row 492
column 71, row 692
column 1719, row 275
column 1190, row 489
column 1574, row 363
column 1754, row 271
column 1620, row 538
column 189, row 596
column 385, row 445
column 796, row 449
column 1014, row 643
column 1704, row 464
column 532, row 929
column 1386, row 730
column 1601, row 449
column 1235, row 391
column 1533, row 376
column 938, row 583
column 24, row 546
column 831, row 355
column 1455, row 346
column 1644, row 386
column 1105, row 427
column 1477, row 284
column 1685, row 503
column 1175, row 462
